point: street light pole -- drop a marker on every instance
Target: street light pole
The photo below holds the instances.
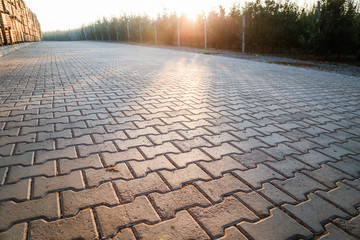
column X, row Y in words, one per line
column 85, row 34
column 243, row 36
column 155, row 33
column 205, row 32
column 140, row 32
column 95, row 32
column 178, row 25
column 128, row 30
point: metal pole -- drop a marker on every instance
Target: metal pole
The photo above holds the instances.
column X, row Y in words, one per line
column 178, row 25
column 85, row 34
column 117, row 33
column 155, row 34
column 243, row 36
column 95, row 32
column 140, row 32
column 109, row 32
column 128, row 30
column 318, row 15
column 205, row 32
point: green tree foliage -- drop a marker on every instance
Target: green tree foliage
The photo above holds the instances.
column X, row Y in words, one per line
column 271, row 27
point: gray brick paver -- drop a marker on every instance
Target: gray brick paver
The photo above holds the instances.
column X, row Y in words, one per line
column 94, row 131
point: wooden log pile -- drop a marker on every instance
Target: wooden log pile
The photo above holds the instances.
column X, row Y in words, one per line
column 18, row 23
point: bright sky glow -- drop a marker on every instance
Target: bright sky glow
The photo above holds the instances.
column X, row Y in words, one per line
column 68, row 14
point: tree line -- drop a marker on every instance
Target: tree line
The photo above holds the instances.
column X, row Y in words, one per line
column 330, row 29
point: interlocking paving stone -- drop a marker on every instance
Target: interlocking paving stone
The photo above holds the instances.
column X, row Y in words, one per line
column 314, row 158
column 335, row 151
column 72, row 201
column 19, row 172
column 340, row 196
column 276, row 195
column 217, row 188
column 182, row 159
column 257, row 203
column 168, row 203
column 253, row 158
column 131, row 188
column 219, row 167
column 335, row 233
column 299, row 186
column 111, row 159
column 124, row 233
column 25, row 159
column 315, row 211
column 178, row 178
column 355, row 183
column 16, row 232
column 351, row 226
column 151, row 152
column 250, row 144
column 108, row 125
column 68, row 165
column 288, row 166
column 233, row 233
column 220, row 151
column 85, row 151
column 96, row 176
column 43, row 185
column 187, row 145
column 228, row 212
column 183, row 226
column 47, row 207
column 82, row 226
column 327, row 175
column 256, row 176
column 19, row 191
column 143, row 167
column 349, row 166
column 3, row 173
column 112, row 218
column 278, row 226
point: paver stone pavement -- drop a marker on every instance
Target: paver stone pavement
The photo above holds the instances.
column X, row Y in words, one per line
column 106, row 140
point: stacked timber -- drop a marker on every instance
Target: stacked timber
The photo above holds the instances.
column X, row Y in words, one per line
column 17, row 23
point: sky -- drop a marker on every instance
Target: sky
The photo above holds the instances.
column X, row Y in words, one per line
column 70, row 14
